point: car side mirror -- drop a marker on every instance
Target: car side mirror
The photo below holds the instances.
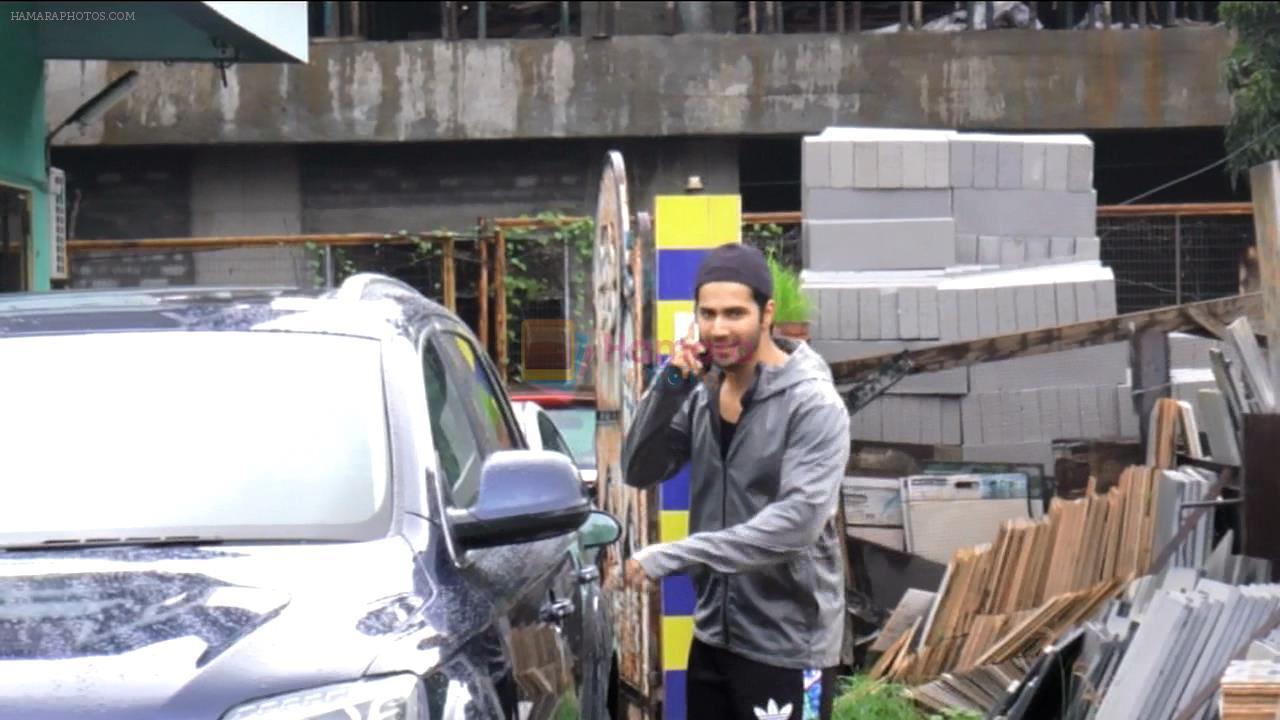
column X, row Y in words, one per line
column 600, row 529
column 524, row 495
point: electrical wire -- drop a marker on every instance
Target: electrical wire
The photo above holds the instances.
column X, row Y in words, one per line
column 1260, row 137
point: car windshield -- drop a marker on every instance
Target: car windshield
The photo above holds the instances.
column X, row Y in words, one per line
column 578, row 425
column 231, row 435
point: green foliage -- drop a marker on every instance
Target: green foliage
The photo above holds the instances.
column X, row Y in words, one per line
column 861, row 698
column 790, row 302
column 1253, row 79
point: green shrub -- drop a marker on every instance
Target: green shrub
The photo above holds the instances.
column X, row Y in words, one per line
column 861, row 698
column 789, row 301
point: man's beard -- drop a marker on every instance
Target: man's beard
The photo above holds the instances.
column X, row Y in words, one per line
column 744, row 352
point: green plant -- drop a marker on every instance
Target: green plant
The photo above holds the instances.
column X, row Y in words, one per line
column 861, row 698
column 1253, row 79
column 790, row 302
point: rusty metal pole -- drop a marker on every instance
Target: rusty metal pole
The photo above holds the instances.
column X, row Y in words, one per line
column 449, row 273
column 500, row 299
column 1142, row 14
column 840, row 16
column 857, row 16
column 822, row 16
column 482, row 289
column 904, row 16
column 917, row 15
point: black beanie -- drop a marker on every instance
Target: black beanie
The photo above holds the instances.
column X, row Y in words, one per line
column 735, row 262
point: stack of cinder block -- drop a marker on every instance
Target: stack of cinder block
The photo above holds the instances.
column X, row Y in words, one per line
column 920, row 237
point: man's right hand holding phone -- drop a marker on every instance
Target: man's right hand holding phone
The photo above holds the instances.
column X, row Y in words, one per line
column 690, row 354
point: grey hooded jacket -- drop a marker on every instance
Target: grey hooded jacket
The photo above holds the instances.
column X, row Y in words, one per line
column 763, row 547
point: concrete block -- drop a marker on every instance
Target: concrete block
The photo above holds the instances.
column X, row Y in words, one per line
column 849, row 313
column 1088, row 248
column 865, row 161
column 1080, row 168
column 1006, row 310
column 1129, row 426
column 1025, row 297
column 1013, row 251
column 1069, row 411
column 1037, row 249
column 944, row 382
column 961, row 152
column 985, row 164
column 855, row 204
column 841, row 163
column 930, row 419
column 949, row 315
column 1062, row 247
column 988, row 313
column 914, row 169
column 869, row 422
column 816, row 161
column 1190, row 351
column 1055, row 167
column 1030, row 423
column 1108, row 411
column 869, row 314
column 1024, row 212
column 970, row 327
column 1009, row 165
column 1086, row 302
column 1033, row 166
column 1097, row 365
column 927, row 299
column 1031, row 453
column 1066, row 296
column 889, row 313
column 814, row 296
column 843, row 245
column 966, row 249
column 952, row 434
column 1011, row 416
column 1050, row 416
column 937, row 162
column 1046, row 306
column 829, row 317
column 908, row 314
column 970, row 419
column 992, row 417
column 989, row 250
column 889, row 164
column 1105, row 297
column 1090, row 417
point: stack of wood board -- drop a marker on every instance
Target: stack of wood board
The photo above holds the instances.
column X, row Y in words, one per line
column 1002, row 600
column 1251, row 690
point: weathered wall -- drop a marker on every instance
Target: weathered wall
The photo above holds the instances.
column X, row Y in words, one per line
column 698, row 84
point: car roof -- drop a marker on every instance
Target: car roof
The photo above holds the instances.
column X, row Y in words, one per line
column 366, row 305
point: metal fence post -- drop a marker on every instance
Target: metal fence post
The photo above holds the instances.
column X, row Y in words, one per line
column 328, row 267
column 482, row 27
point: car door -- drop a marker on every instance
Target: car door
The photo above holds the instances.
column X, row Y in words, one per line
column 542, row 657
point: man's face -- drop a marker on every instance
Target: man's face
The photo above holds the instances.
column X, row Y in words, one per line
column 730, row 323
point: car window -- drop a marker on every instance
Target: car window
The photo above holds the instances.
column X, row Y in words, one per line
column 474, row 379
column 551, row 439
column 457, row 450
column 578, row 426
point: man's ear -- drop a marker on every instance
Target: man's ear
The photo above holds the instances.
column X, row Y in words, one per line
column 766, row 315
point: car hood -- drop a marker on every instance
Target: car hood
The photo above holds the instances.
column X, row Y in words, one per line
column 188, row 632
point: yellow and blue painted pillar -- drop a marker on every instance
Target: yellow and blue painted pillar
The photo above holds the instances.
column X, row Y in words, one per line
column 686, row 227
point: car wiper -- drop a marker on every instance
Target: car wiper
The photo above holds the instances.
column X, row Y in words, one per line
column 144, row 541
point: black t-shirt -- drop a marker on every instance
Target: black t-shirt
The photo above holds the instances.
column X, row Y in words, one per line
column 727, row 429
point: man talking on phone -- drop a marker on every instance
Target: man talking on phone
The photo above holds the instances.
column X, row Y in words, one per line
column 766, row 437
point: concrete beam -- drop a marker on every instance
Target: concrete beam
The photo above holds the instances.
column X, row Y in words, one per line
column 699, row 84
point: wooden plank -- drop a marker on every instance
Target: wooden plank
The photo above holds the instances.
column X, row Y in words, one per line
column 449, row 277
column 482, row 293
column 1261, row 535
column 1264, row 179
column 500, row 301
column 1176, row 318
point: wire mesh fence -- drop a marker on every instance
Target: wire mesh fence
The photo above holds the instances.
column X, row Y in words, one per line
column 1176, row 255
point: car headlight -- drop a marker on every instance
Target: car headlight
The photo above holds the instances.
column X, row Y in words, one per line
column 396, row 697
